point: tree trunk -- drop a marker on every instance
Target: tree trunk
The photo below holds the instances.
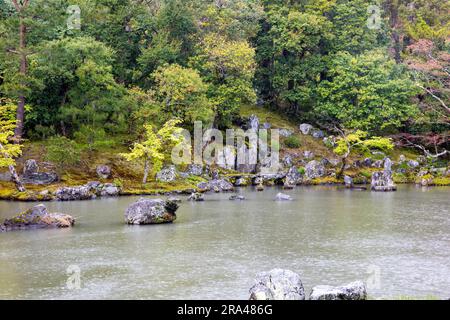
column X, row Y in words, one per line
column 395, row 25
column 16, row 179
column 18, row 132
column 146, row 169
column 14, row 175
column 340, row 174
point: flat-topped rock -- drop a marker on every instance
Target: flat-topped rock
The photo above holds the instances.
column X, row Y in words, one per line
column 353, row 291
column 151, row 211
column 38, row 217
column 221, row 184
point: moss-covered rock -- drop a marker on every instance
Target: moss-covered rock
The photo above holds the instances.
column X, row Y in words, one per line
column 38, row 217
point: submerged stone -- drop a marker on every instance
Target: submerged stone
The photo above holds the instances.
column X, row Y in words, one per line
column 283, row 197
column 196, row 197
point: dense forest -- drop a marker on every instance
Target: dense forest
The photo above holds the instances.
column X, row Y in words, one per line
column 92, row 72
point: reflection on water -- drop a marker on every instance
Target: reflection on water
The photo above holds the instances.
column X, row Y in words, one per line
column 213, row 251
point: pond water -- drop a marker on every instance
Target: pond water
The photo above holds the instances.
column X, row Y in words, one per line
column 398, row 242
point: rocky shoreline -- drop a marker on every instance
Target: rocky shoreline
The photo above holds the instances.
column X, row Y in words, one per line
column 382, row 178
column 318, row 166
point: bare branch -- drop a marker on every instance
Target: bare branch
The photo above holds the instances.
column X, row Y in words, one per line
column 434, row 96
column 425, row 151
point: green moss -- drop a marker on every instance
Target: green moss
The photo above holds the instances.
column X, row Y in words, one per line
column 400, row 178
column 195, row 180
column 441, row 181
column 326, row 180
column 266, row 115
column 292, row 142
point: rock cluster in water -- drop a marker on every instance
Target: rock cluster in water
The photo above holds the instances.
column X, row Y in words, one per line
column 280, row 284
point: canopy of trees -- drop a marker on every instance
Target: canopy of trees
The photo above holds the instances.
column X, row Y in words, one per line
column 383, row 70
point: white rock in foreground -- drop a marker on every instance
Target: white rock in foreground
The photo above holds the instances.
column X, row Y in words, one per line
column 277, row 284
column 353, row 291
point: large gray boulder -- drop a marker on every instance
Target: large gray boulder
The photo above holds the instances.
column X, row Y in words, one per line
column 286, row 133
column 257, row 181
column 348, row 182
column 30, row 167
column 287, row 161
column 382, row 180
column 168, row 174
column 318, row 134
column 413, row 164
column 103, row 171
column 306, row 128
column 277, row 284
column 151, row 211
column 75, row 193
column 90, row 190
column 38, row 217
column 353, row 291
column 108, row 190
column 195, row 170
column 315, row 169
column 308, row 154
column 241, row 182
column 293, row 177
column 220, row 184
column 31, row 174
column 253, row 123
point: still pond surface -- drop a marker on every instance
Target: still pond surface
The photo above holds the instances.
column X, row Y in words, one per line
column 399, row 242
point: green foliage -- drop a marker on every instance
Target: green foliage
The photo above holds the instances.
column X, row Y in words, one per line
column 368, row 92
column 156, row 147
column 181, row 93
column 79, row 87
column 359, row 141
column 292, row 142
column 147, row 62
column 426, row 19
column 8, row 150
column 92, row 139
column 230, row 67
column 62, row 151
column 118, row 183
